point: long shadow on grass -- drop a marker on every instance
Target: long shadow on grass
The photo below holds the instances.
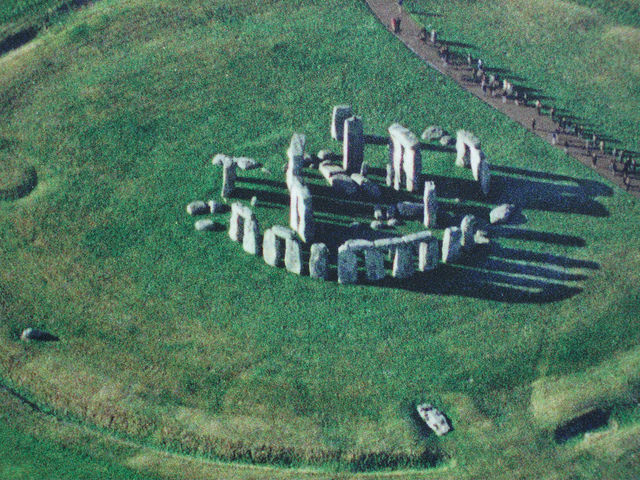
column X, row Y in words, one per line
column 501, row 274
column 533, row 192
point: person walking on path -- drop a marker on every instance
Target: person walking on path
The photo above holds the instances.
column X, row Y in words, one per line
column 400, row 6
column 533, row 124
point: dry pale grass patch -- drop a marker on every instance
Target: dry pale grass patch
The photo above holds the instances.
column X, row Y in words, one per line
column 558, row 399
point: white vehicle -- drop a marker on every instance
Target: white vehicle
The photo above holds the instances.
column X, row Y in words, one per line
column 434, row 418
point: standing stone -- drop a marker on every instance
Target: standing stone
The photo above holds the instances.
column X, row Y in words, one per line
column 347, row 265
column 468, row 230
column 251, row 235
column 403, row 262
column 270, row 251
column 374, row 264
column 340, row 114
column 228, row 177
column 353, row 145
column 409, row 209
column 236, row 229
column 390, row 176
column 412, row 164
column 293, row 256
column 461, row 150
column 428, row 255
column 476, row 156
column 364, row 169
column 484, row 175
column 295, row 154
column 430, row 205
column 451, row 245
column 318, row 261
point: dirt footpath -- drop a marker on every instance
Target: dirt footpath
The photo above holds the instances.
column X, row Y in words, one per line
column 459, row 71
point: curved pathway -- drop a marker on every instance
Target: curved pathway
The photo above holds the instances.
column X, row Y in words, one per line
column 462, row 74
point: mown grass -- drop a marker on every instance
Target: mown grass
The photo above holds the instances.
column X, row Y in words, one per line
column 181, row 340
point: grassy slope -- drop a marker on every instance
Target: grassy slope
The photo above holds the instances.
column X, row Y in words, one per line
column 582, row 60
column 180, row 339
column 16, row 15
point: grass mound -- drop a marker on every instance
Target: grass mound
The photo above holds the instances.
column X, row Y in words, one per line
column 180, row 340
column 16, row 180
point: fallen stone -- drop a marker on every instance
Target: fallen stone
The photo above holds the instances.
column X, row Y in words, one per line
column 217, row 207
column 37, row 335
column 501, row 213
column 343, row 185
column 434, row 419
column 432, row 133
column 254, row 201
column 367, row 187
column 205, row 225
column 446, row 140
column 410, row 209
column 326, row 155
column 198, row 208
column 481, row 238
column 328, row 170
column 318, row 261
column 393, row 222
column 357, row 244
column 376, row 225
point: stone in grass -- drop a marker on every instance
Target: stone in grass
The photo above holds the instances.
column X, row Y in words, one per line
column 481, row 238
column 393, row 222
column 198, row 208
column 501, row 213
column 217, row 207
column 205, row 225
column 434, row 419
column 37, row 335
column 432, row 133
column 446, row 140
column 254, row 201
column 410, row 209
column 377, row 225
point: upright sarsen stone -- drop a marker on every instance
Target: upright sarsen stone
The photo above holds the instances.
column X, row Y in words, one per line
column 340, row 114
column 347, row 265
column 468, row 228
column 428, row 255
column 353, row 145
column 374, row 264
column 318, row 261
column 404, row 261
column 430, row 205
column 451, row 245
column 251, row 235
column 293, row 256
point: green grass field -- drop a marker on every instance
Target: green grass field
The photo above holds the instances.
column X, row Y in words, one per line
column 178, row 340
